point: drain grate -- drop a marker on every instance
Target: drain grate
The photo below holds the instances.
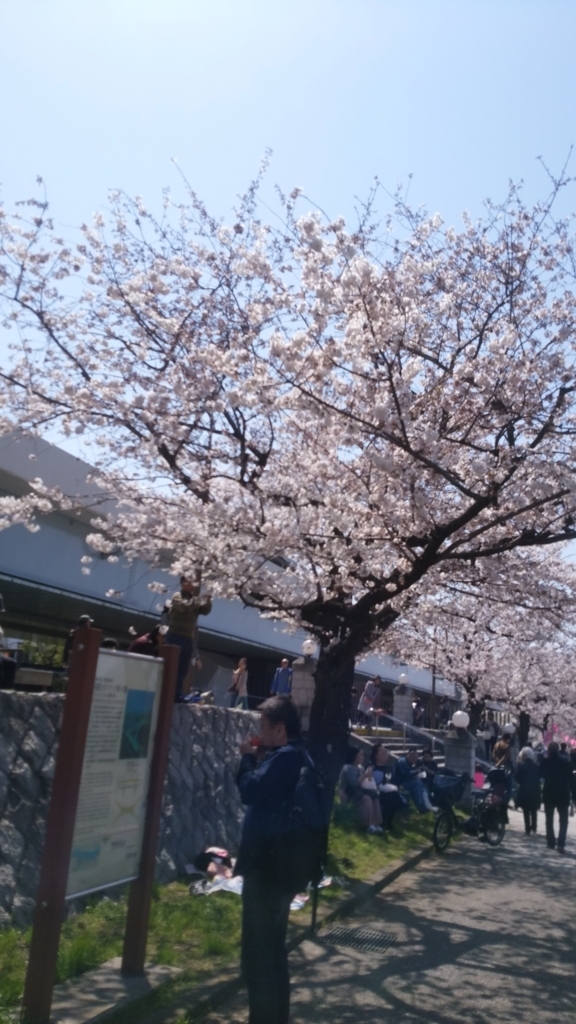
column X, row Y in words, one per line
column 359, row 938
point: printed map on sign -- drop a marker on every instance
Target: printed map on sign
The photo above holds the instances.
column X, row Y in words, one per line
column 116, row 772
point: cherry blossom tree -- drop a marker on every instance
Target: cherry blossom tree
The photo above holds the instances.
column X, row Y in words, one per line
column 508, row 638
column 330, row 423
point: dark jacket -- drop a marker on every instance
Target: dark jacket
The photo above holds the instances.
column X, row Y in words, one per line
column 183, row 612
column 405, row 772
column 528, row 779
column 262, row 789
column 557, row 775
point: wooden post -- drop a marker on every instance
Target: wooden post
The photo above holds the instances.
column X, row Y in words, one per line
column 51, row 893
column 136, row 933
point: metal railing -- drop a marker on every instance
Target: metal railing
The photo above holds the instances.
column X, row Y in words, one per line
column 427, row 738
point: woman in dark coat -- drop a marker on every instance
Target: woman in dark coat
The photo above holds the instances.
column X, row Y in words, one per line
column 529, row 795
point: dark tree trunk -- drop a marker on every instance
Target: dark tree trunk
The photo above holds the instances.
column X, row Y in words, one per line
column 476, row 709
column 330, row 715
column 523, row 728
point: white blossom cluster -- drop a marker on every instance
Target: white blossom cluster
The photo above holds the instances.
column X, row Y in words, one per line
column 506, row 636
column 334, row 424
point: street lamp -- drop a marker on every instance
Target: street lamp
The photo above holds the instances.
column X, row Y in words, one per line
column 460, row 719
column 403, row 679
column 309, row 648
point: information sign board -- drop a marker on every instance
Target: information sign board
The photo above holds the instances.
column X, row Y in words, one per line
column 111, row 808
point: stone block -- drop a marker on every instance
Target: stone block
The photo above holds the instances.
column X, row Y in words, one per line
column 8, row 751
column 21, row 813
column 4, row 787
column 24, row 780
column 165, row 868
column 47, row 770
column 7, row 885
column 40, row 724
column 22, row 911
column 14, row 728
column 11, row 844
column 17, row 705
column 28, row 874
column 33, row 747
column 53, row 706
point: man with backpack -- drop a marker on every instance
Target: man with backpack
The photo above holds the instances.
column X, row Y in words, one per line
column 281, row 850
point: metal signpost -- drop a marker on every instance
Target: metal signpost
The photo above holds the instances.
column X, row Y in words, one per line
column 106, row 799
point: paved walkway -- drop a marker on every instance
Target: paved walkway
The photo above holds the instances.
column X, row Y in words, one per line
column 481, row 936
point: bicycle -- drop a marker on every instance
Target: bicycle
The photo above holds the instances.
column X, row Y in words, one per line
column 487, row 821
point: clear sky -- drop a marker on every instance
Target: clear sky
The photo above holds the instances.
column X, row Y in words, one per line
column 463, row 94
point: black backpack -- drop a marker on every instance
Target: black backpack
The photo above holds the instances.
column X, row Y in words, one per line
column 296, row 854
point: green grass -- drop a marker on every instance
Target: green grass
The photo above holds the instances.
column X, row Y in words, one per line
column 200, row 934
column 357, row 856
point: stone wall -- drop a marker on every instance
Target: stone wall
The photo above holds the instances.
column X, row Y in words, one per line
column 201, row 803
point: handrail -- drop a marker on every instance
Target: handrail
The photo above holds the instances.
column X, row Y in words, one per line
column 428, row 736
column 406, row 726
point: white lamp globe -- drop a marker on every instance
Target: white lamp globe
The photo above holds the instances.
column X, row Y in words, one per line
column 403, row 679
column 460, row 720
column 309, row 648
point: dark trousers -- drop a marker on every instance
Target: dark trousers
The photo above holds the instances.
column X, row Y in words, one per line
column 265, row 912
column 389, row 804
column 186, row 645
column 563, row 819
column 530, row 820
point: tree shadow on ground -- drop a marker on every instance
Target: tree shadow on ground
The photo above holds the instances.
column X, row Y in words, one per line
column 483, row 935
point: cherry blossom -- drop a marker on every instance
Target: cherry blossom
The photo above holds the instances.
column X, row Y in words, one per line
column 333, row 423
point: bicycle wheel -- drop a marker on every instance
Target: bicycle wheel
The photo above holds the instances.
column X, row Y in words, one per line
column 493, row 826
column 442, row 831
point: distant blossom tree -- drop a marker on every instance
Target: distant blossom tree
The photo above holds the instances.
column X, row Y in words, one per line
column 505, row 637
column 330, row 424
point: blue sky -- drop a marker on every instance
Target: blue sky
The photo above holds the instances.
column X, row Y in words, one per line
column 463, row 94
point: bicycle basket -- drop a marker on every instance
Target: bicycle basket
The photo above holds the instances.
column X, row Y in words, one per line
column 448, row 789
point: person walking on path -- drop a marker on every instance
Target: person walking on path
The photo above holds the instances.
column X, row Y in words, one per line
column 557, row 775
column 528, row 796
column 282, row 681
column 239, row 687
column 182, row 612
column 265, row 903
column 573, row 767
